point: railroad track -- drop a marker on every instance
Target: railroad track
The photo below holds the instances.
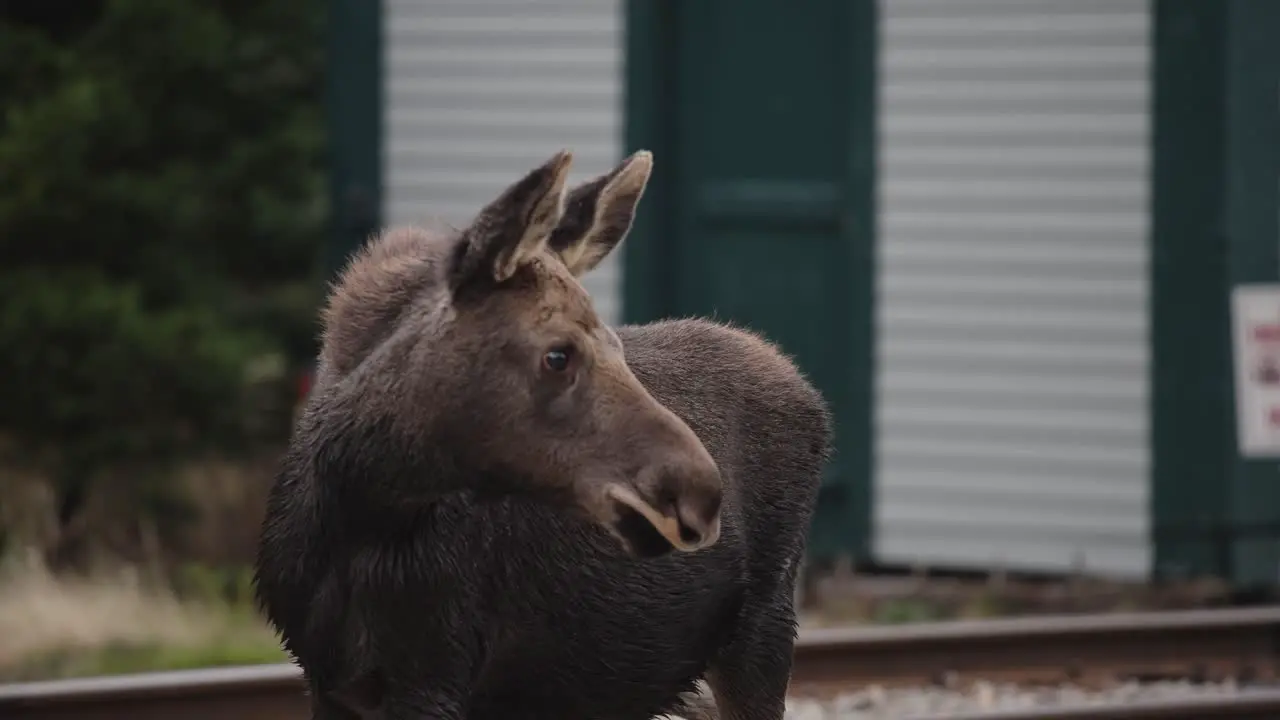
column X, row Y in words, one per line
column 1086, row 650
column 1259, row 705
column 1243, row 644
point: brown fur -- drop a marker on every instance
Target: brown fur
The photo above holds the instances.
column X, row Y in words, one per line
column 459, row 531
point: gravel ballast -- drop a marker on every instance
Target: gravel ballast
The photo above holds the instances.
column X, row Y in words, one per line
column 877, row 703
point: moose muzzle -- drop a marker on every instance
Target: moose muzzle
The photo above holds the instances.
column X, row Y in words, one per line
column 680, row 500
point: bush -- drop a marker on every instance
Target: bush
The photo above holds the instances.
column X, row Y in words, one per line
column 160, row 231
column 99, row 379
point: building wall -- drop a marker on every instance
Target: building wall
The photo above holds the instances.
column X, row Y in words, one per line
column 1011, row 412
column 478, row 92
column 1012, row 385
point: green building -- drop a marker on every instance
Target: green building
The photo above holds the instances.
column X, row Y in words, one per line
column 1001, row 235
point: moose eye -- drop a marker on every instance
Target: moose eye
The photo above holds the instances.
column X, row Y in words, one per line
column 557, row 359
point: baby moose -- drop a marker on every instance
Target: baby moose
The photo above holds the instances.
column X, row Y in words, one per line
column 495, row 507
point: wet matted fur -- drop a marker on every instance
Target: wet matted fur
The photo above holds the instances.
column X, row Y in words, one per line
column 493, row 506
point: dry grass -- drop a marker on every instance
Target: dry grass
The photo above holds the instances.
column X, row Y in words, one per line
column 116, row 621
column 120, row 618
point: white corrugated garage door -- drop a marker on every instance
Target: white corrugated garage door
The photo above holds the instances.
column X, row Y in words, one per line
column 480, row 91
column 1011, row 393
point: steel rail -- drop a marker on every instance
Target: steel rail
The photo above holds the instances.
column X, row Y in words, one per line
column 249, row 692
column 1250, row 704
column 1242, row 643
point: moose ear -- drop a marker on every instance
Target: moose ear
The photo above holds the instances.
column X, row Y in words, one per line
column 515, row 226
column 598, row 213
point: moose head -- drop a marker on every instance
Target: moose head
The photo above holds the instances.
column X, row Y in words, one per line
column 551, row 389
column 503, row 365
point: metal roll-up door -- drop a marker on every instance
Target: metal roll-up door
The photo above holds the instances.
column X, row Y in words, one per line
column 479, row 92
column 1012, row 351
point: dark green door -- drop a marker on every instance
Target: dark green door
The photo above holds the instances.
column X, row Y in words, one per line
column 760, row 117
column 1215, row 169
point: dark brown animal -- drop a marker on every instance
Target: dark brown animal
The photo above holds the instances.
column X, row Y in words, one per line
column 477, row 513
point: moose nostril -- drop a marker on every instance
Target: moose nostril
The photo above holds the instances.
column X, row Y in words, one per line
column 696, row 517
column 693, row 504
column 688, row 535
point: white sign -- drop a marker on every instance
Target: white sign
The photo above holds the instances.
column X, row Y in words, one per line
column 1255, row 319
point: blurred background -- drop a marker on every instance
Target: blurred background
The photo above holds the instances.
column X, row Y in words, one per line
column 1002, row 236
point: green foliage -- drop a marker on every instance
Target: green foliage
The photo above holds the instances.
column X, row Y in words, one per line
column 906, row 610
column 160, row 225
column 230, row 586
column 151, row 657
column 97, row 377
column 246, row 645
column 177, row 144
